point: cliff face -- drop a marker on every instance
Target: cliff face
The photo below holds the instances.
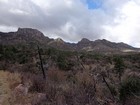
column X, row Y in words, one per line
column 30, row 33
column 23, row 36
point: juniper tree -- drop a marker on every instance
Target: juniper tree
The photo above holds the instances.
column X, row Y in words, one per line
column 119, row 66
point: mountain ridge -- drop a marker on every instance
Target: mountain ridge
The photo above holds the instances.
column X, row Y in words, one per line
column 29, row 35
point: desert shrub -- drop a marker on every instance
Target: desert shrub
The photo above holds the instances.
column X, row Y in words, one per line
column 69, row 96
column 119, row 66
column 113, row 90
column 22, row 58
column 56, row 75
column 60, row 90
column 30, row 67
column 54, row 94
column 71, row 78
column 38, row 84
column 98, row 56
column 130, row 87
column 1, row 52
column 84, row 78
column 61, row 61
column 85, row 90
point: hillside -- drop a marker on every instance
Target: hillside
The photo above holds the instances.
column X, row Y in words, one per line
column 72, row 79
column 85, row 73
column 35, row 37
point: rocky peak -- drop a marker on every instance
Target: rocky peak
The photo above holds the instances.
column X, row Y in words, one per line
column 29, row 32
column 59, row 40
column 84, row 40
column 101, row 40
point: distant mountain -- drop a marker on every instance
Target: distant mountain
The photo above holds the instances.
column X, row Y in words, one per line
column 24, row 36
column 104, row 45
column 33, row 36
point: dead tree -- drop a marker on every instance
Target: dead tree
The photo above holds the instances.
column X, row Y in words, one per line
column 108, row 86
column 41, row 63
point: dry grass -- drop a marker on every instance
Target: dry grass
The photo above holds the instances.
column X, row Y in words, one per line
column 56, row 75
column 7, row 83
column 79, row 87
column 84, row 78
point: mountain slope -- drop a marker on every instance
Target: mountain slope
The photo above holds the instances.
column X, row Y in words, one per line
column 103, row 45
column 28, row 36
column 23, row 36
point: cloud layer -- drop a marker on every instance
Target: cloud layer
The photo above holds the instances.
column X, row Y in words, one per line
column 72, row 19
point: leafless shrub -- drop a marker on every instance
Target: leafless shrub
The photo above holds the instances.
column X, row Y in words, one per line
column 38, row 84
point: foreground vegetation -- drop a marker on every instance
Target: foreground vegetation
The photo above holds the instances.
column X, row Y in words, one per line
column 72, row 78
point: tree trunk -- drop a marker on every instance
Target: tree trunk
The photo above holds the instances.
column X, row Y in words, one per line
column 41, row 63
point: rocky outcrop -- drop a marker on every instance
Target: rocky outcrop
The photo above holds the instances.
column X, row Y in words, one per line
column 29, row 32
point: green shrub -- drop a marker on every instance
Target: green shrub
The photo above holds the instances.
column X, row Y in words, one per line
column 113, row 90
column 119, row 66
column 61, row 61
column 130, row 87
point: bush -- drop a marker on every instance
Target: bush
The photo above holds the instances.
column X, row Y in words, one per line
column 119, row 66
column 64, row 63
column 130, row 87
column 38, row 84
column 56, row 76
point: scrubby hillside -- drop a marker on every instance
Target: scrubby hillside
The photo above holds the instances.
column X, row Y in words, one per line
column 72, row 78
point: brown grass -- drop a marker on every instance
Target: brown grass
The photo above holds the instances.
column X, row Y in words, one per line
column 7, row 81
column 56, row 75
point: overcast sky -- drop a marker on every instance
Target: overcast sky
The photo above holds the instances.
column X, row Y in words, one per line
column 71, row 20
